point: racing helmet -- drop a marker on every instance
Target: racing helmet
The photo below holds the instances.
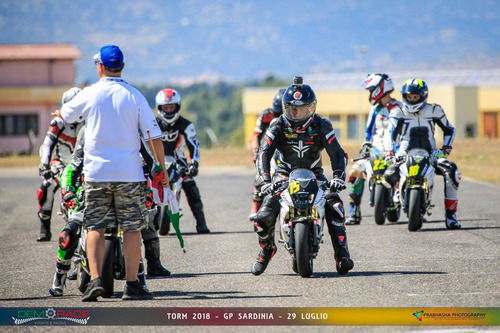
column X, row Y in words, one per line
column 418, row 87
column 278, row 103
column 166, row 97
column 378, row 85
column 299, row 103
column 69, row 94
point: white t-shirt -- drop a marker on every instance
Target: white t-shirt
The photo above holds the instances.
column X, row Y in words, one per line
column 116, row 115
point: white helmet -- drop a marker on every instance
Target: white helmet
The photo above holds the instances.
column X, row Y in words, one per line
column 379, row 85
column 165, row 97
column 69, row 94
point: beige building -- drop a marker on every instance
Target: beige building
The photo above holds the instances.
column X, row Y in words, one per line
column 471, row 100
column 32, row 80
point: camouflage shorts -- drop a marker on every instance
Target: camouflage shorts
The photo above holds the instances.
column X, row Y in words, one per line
column 111, row 203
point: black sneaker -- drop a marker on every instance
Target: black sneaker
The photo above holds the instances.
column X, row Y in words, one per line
column 134, row 291
column 94, row 290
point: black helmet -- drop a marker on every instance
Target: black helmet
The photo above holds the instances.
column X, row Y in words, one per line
column 299, row 96
column 278, row 103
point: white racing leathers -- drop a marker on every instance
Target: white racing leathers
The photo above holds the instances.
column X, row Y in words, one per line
column 417, row 131
column 55, row 154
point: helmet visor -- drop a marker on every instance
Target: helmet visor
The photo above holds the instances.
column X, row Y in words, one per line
column 299, row 112
column 168, row 108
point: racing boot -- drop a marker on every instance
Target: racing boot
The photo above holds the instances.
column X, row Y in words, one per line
column 268, row 250
column 152, row 254
column 201, row 224
column 343, row 261
column 45, row 234
column 451, row 220
column 60, row 275
column 354, row 214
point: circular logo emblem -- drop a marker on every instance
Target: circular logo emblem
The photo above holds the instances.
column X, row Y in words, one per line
column 297, row 95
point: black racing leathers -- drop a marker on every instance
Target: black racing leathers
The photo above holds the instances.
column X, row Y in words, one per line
column 301, row 150
column 175, row 138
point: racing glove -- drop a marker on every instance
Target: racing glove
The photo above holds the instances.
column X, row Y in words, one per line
column 447, row 150
column 337, row 184
column 45, row 172
column 192, row 170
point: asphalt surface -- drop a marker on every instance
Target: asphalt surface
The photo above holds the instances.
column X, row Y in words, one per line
column 393, row 267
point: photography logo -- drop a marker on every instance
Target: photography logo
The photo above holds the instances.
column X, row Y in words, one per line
column 419, row 314
column 30, row 315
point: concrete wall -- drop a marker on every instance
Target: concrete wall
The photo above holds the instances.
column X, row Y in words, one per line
column 461, row 105
column 36, row 72
column 28, row 100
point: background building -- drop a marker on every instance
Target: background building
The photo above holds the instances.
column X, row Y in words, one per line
column 32, row 80
column 471, row 100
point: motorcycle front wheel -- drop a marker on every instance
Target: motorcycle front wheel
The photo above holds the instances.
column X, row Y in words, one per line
column 303, row 250
column 414, row 209
column 379, row 205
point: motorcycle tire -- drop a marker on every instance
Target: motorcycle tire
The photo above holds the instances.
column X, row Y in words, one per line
column 84, row 280
column 414, row 209
column 107, row 270
column 379, row 203
column 303, row 249
column 119, row 265
column 164, row 223
column 393, row 214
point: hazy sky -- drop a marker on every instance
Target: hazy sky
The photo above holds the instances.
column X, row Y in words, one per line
column 241, row 40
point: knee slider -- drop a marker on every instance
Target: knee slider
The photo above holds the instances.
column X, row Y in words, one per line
column 450, row 171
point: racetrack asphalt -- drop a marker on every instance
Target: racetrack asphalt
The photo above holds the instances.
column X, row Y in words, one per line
column 434, row 267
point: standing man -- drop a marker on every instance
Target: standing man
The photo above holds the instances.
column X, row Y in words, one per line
column 116, row 116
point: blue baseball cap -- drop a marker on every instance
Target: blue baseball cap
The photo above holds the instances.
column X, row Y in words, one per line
column 110, row 56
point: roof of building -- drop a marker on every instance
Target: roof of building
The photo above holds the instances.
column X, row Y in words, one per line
column 348, row 81
column 38, row 51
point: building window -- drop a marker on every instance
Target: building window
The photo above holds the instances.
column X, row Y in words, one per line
column 352, row 127
column 338, row 132
column 334, row 118
column 18, row 124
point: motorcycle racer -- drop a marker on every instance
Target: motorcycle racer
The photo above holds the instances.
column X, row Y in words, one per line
column 55, row 153
column 177, row 130
column 415, row 122
column 263, row 122
column 380, row 87
column 300, row 136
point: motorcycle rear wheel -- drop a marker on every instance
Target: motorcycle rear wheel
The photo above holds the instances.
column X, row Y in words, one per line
column 107, row 270
column 303, row 249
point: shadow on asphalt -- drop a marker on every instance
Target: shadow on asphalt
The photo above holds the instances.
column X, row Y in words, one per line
column 463, row 228
column 211, row 233
column 366, row 273
column 37, row 298
column 438, row 221
column 191, row 275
